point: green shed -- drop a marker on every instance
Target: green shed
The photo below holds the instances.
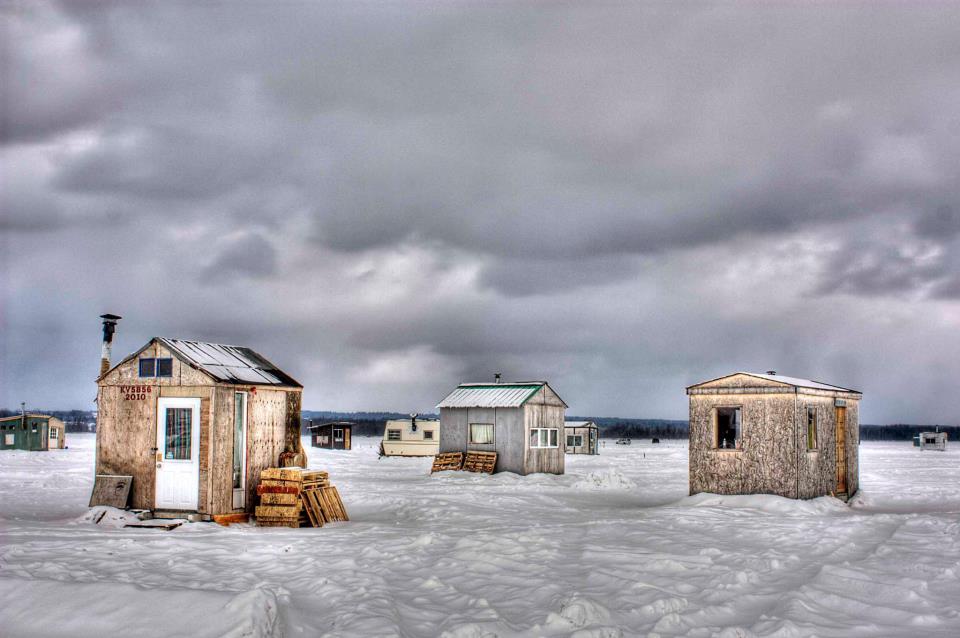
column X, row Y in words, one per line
column 31, row 432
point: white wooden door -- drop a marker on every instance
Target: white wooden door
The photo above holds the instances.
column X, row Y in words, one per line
column 178, row 459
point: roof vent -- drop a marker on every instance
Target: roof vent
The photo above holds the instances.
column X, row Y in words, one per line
column 772, row 373
column 496, row 377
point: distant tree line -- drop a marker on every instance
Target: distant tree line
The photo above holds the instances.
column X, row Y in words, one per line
column 904, row 432
column 373, row 424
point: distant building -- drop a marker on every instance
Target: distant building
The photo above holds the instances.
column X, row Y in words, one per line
column 411, row 437
column 331, row 436
column 32, row 432
column 522, row 422
column 582, row 437
column 770, row 434
column 931, row 441
column 194, row 423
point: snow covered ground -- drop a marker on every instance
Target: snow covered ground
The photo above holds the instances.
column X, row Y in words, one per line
column 613, row 548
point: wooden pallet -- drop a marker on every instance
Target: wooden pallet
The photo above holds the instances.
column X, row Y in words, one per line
column 323, row 505
column 294, row 497
column 480, row 462
column 447, row 461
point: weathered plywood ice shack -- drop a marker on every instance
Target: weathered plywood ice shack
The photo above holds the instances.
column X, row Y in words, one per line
column 194, row 424
column 582, row 437
column 336, row 435
column 522, row 422
column 766, row 433
column 32, row 432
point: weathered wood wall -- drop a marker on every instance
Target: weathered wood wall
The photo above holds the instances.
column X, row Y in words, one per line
column 544, row 410
column 765, row 462
column 773, row 457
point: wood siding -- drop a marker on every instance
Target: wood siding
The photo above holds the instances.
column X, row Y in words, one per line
column 773, row 457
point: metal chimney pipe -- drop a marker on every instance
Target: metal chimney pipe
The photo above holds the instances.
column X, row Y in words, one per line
column 496, row 377
column 109, row 326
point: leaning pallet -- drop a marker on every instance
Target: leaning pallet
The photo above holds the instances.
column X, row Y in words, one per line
column 480, row 462
column 447, row 461
column 293, row 497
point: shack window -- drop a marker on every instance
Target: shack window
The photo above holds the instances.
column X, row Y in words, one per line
column 393, row 435
column 811, row 428
column 481, row 433
column 178, row 434
column 574, row 440
column 54, row 433
column 338, row 435
column 165, row 367
column 728, row 428
column 8, row 438
column 544, row 437
column 148, row 367
column 428, row 435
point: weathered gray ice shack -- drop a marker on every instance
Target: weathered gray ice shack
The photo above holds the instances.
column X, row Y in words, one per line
column 522, row 422
column 770, row 434
column 194, row 424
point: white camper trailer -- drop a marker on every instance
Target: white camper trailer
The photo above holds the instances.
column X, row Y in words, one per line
column 411, row 437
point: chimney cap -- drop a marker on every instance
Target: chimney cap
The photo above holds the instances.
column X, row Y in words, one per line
column 110, row 317
column 772, row 373
column 496, row 377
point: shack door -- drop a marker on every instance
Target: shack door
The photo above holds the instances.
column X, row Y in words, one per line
column 841, row 450
column 178, row 462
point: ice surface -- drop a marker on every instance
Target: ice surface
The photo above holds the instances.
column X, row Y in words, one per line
column 613, row 548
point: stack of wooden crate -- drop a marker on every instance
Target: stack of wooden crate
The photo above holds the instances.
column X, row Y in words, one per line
column 294, row 497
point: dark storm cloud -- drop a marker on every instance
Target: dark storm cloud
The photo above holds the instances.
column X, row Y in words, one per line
column 249, row 255
column 626, row 199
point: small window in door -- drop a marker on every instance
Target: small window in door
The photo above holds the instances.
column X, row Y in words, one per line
column 54, row 433
column 728, row 428
column 178, row 434
column 338, row 435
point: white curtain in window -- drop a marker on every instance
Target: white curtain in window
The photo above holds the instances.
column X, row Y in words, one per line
column 481, row 433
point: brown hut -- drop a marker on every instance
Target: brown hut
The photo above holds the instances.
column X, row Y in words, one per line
column 194, row 424
column 331, row 436
column 756, row 433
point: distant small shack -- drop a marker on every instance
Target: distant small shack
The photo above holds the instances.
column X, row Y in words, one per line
column 522, row 422
column 331, row 436
column 931, row 441
column 33, row 432
column 194, row 424
column 582, row 437
column 411, row 437
column 754, row 433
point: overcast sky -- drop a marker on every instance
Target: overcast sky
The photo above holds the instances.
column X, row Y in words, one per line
column 389, row 199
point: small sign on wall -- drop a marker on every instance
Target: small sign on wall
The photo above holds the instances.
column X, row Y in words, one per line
column 135, row 392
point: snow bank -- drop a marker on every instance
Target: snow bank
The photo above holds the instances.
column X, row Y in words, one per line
column 52, row 608
column 613, row 548
column 769, row 503
column 612, row 479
